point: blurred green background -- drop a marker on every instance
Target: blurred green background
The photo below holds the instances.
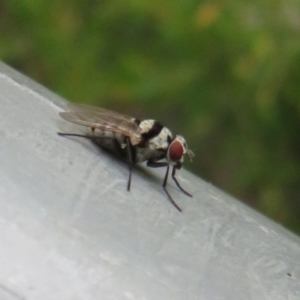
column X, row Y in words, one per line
column 225, row 74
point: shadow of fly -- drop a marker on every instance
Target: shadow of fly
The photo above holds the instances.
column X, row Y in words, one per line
column 135, row 140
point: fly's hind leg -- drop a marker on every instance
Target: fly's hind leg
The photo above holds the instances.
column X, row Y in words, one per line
column 130, row 161
column 75, row 134
column 94, row 139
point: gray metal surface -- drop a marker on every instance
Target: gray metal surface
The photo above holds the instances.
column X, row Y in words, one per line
column 70, row 230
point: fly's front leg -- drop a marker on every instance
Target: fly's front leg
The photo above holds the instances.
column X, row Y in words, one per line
column 155, row 164
column 177, row 183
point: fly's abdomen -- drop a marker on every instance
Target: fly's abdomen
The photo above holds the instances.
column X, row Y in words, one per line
column 111, row 141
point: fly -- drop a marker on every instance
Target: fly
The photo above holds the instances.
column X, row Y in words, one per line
column 136, row 140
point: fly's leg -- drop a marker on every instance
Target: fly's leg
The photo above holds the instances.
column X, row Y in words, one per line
column 129, row 153
column 177, row 183
column 155, row 164
column 75, row 134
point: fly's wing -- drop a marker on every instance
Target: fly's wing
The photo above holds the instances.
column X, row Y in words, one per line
column 103, row 119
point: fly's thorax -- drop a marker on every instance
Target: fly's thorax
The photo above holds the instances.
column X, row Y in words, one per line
column 145, row 153
column 162, row 140
column 146, row 125
column 155, row 141
column 151, row 129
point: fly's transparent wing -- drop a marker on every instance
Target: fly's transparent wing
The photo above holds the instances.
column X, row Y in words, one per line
column 103, row 119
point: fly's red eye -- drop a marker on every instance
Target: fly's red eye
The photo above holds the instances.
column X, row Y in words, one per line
column 175, row 151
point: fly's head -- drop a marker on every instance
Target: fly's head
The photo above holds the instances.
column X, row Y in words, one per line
column 176, row 151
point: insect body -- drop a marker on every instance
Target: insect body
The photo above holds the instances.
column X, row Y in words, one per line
column 136, row 140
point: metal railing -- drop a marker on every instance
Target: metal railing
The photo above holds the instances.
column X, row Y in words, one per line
column 70, row 230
